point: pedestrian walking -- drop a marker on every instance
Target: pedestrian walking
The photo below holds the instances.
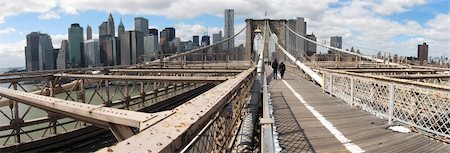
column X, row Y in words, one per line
column 275, row 68
column 282, row 68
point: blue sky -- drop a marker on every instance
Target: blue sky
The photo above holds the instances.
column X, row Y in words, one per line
column 374, row 25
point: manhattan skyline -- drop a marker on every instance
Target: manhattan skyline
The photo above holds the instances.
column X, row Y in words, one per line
column 394, row 27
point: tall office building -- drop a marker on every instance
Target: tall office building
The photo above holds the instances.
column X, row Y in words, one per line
column 88, row 32
column 167, row 35
column 131, row 47
column 301, row 29
column 121, row 28
column 103, row 29
column 39, row 52
column 153, row 31
column 311, row 48
column 229, row 28
column 92, row 53
column 110, row 26
column 75, row 46
column 141, row 24
column 295, row 44
column 195, row 41
column 151, row 46
column 422, row 52
column 217, row 37
column 170, row 33
column 205, row 40
column 63, row 55
column 108, row 51
column 336, row 42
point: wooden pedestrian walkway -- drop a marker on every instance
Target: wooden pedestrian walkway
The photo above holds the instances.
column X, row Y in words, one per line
column 309, row 120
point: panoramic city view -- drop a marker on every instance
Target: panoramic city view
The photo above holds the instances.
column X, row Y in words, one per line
column 225, row 76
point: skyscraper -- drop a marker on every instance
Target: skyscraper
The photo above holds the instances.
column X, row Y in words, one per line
column 295, row 44
column 153, row 31
column 336, row 42
column 63, row 55
column 301, row 29
column 422, row 52
column 141, row 24
column 39, row 54
column 229, row 28
column 75, row 45
column 217, row 37
column 205, row 40
column 91, row 52
column 88, row 32
column 170, row 33
column 110, row 26
column 121, row 28
column 108, row 51
column 195, row 41
column 151, row 46
column 311, row 48
column 103, row 29
column 131, row 47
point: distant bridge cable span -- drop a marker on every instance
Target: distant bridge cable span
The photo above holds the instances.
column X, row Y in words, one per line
column 338, row 49
column 202, row 48
column 316, row 77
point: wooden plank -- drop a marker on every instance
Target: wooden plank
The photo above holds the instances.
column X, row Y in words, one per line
column 363, row 129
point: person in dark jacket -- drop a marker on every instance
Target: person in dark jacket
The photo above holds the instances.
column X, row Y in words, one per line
column 282, row 68
column 275, row 68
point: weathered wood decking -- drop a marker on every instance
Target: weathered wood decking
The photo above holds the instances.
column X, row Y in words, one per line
column 300, row 131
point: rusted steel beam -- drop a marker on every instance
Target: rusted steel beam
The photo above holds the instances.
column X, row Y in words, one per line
column 64, row 70
column 94, row 114
column 24, row 78
column 196, row 79
column 169, row 134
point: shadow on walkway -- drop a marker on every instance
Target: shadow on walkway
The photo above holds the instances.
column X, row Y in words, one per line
column 290, row 135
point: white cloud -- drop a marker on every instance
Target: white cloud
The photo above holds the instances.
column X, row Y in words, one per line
column 7, row 30
column 49, row 15
column 387, row 7
column 12, row 54
column 362, row 23
column 12, row 8
column 186, row 31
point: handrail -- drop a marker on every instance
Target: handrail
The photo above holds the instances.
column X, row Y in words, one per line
column 384, row 78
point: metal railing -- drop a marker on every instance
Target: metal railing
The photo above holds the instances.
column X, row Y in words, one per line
column 425, row 107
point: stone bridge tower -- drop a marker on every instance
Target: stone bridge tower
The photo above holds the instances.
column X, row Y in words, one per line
column 277, row 27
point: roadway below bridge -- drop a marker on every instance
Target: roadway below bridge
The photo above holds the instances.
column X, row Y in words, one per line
column 308, row 119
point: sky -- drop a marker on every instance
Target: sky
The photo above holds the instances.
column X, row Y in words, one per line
column 387, row 26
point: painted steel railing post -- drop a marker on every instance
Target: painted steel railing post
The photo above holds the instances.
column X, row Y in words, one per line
column 142, row 94
column 108, row 94
column 330, row 90
column 352, row 90
column 83, row 92
column 391, row 103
